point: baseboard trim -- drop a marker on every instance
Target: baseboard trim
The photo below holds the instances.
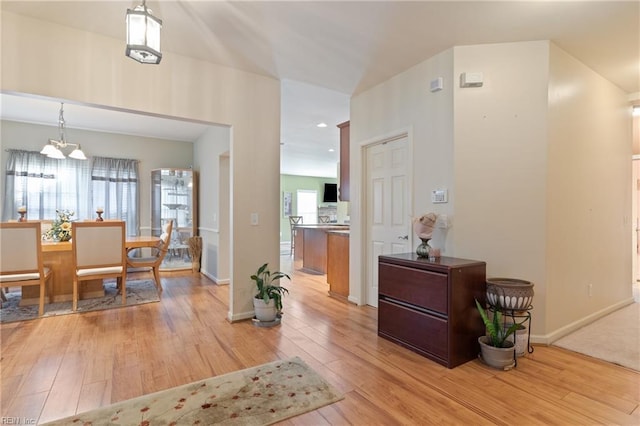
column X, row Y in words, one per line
column 215, row 279
column 549, row 338
column 240, row 317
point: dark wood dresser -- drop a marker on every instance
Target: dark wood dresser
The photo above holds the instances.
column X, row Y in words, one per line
column 428, row 306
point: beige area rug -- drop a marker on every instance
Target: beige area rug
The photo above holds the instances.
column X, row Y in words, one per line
column 259, row 395
column 138, row 292
column 614, row 338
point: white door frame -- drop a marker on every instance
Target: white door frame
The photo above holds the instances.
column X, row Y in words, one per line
column 365, row 231
column 635, row 217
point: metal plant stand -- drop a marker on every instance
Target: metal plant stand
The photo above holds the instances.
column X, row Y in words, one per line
column 515, row 316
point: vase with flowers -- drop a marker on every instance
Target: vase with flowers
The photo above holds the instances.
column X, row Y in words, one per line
column 61, row 227
column 423, row 227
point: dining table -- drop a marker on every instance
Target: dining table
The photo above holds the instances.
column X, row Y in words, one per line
column 58, row 256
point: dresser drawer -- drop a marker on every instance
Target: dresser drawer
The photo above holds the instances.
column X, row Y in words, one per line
column 417, row 329
column 417, row 287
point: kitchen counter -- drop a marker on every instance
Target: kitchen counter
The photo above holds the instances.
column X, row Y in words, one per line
column 339, row 231
column 338, row 263
column 326, row 226
column 311, row 245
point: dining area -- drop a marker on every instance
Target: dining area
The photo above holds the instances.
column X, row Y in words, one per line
column 71, row 261
column 72, row 229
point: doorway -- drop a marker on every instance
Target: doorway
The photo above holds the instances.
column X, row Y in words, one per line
column 388, row 206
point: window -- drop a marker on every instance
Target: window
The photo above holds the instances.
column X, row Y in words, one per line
column 307, row 205
column 44, row 185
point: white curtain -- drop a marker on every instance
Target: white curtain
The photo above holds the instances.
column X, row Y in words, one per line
column 114, row 182
column 43, row 184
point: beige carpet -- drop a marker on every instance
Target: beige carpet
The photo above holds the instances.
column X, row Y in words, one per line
column 614, row 338
column 259, row 395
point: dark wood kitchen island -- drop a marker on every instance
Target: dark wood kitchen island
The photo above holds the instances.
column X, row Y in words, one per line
column 313, row 241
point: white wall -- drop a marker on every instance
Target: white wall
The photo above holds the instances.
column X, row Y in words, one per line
column 537, row 163
column 588, row 194
column 500, row 162
column 212, row 150
column 404, row 104
column 85, row 67
column 152, row 153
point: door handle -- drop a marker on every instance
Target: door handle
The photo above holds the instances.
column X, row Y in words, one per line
column 406, row 237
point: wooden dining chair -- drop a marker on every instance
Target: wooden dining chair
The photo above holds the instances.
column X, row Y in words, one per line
column 21, row 260
column 157, row 256
column 293, row 221
column 99, row 252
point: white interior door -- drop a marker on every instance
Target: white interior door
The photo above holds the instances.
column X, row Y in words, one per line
column 388, row 206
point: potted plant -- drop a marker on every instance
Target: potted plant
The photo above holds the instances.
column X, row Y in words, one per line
column 267, row 302
column 496, row 348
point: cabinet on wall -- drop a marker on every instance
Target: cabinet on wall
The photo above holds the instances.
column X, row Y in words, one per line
column 174, row 197
column 428, row 306
column 344, row 161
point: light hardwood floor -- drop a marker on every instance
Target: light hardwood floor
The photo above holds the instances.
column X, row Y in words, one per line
column 55, row 367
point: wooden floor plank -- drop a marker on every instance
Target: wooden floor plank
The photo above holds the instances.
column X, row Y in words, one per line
column 62, row 365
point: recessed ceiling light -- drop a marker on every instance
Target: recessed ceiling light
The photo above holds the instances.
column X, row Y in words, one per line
column 331, row 150
column 321, row 124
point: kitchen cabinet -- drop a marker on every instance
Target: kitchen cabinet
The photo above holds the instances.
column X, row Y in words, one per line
column 343, row 190
column 428, row 306
column 174, row 197
column 338, row 263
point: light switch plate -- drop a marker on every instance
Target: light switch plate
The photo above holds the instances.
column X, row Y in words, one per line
column 254, row 219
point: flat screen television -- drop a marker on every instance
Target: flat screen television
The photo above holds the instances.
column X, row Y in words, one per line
column 330, row 193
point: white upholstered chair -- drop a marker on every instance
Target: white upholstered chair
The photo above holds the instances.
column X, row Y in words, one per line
column 157, row 255
column 21, row 258
column 98, row 253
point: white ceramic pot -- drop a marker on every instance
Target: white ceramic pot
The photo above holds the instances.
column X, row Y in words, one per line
column 502, row 358
column 265, row 312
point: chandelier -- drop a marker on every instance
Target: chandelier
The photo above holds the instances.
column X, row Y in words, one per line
column 143, row 35
column 53, row 148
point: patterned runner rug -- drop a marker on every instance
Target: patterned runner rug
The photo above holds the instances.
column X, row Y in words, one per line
column 259, row 395
column 138, row 292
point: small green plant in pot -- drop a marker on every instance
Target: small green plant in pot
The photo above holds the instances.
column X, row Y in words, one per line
column 267, row 302
column 496, row 348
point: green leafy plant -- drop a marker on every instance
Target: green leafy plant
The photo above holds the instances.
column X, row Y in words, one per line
column 496, row 331
column 264, row 280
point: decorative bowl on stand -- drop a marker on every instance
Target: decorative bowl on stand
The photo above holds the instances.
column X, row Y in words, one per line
column 510, row 293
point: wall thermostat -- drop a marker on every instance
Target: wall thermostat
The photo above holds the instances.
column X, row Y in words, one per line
column 439, row 196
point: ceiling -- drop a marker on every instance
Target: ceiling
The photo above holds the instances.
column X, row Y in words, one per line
column 306, row 149
column 326, row 51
